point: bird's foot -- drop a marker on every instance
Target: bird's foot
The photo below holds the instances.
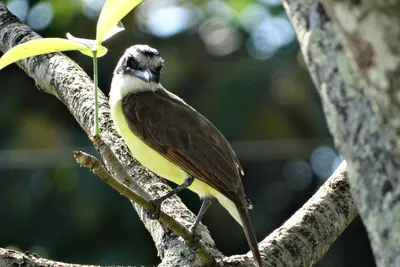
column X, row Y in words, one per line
column 155, row 215
column 195, row 236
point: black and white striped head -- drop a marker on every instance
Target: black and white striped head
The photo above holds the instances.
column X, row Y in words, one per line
column 142, row 62
column 138, row 70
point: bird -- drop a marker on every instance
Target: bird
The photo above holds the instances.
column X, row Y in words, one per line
column 176, row 142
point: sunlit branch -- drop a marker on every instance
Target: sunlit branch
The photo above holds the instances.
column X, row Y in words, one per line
column 308, row 240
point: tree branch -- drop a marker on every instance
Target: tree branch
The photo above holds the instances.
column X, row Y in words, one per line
column 307, row 235
column 98, row 169
column 58, row 75
column 354, row 60
column 9, row 257
column 299, row 242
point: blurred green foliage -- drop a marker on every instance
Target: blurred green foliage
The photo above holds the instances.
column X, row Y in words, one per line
column 237, row 62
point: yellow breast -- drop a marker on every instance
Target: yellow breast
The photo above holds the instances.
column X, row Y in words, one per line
column 120, row 87
column 152, row 159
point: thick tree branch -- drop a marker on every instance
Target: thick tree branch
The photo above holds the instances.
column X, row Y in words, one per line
column 299, row 242
column 9, row 257
column 98, row 169
column 354, row 60
column 58, row 75
column 307, row 235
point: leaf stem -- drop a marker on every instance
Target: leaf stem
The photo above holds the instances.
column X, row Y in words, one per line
column 96, row 101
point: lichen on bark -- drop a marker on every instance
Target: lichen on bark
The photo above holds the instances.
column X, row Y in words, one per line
column 345, row 45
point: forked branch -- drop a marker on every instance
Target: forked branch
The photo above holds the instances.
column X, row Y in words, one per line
column 301, row 241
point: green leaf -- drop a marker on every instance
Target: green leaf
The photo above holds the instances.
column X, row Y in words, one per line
column 44, row 46
column 114, row 30
column 89, row 44
column 112, row 12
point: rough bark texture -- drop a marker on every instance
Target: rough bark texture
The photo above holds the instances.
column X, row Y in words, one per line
column 351, row 49
column 307, row 235
column 10, row 257
column 299, row 242
column 58, row 75
column 139, row 196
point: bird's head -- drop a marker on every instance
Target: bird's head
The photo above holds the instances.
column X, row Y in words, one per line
column 137, row 70
column 142, row 62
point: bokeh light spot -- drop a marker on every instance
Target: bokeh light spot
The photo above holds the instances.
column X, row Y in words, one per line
column 220, row 38
column 269, row 36
column 168, row 21
column 252, row 15
column 272, row 2
column 19, row 8
column 40, row 16
column 297, row 174
column 92, row 8
column 324, row 161
column 219, row 9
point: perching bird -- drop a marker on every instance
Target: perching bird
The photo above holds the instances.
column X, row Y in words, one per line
column 173, row 140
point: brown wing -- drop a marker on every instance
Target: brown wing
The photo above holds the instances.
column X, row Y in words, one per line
column 186, row 138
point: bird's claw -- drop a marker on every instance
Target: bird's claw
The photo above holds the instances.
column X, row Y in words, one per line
column 195, row 239
column 195, row 236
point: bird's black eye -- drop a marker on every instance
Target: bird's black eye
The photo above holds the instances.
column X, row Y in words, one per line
column 131, row 63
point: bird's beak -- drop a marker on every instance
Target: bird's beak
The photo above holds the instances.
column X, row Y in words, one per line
column 144, row 75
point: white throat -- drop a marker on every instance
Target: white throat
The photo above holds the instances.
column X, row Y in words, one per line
column 122, row 85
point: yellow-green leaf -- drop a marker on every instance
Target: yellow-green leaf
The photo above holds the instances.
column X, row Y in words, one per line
column 114, row 30
column 43, row 46
column 89, row 44
column 101, row 51
column 112, row 12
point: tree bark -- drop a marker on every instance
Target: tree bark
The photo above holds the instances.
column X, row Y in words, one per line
column 307, row 235
column 351, row 49
column 58, row 75
column 301, row 241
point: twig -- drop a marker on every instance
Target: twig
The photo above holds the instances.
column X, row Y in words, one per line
column 89, row 161
column 116, row 167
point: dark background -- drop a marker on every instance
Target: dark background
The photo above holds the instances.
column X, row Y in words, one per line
column 237, row 62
